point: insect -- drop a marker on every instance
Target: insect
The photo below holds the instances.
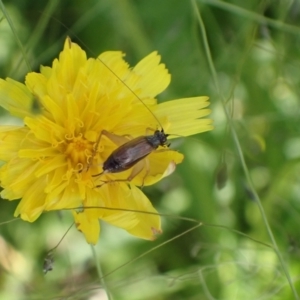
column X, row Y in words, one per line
column 48, row 263
column 129, row 154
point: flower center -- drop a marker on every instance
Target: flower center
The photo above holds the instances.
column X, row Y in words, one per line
column 78, row 150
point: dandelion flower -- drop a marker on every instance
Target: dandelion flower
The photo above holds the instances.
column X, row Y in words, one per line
column 51, row 161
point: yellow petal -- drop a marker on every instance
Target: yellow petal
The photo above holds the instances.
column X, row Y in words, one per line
column 149, row 223
column 36, row 84
column 16, row 98
column 89, row 227
column 16, row 177
column 65, row 71
column 113, row 61
column 32, row 204
column 136, row 213
column 68, row 198
column 11, row 138
column 184, row 116
column 159, row 163
column 46, row 130
column 151, row 71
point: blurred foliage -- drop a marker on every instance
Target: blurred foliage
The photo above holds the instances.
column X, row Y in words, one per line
column 255, row 47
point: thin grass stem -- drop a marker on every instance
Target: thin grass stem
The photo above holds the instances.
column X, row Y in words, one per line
column 11, row 24
column 100, row 273
column 240, row 152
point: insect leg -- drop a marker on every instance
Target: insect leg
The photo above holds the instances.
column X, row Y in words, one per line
column 149, row 131
column 118, row 140
column 95, row 150
column 147, row 168
column 136, row 169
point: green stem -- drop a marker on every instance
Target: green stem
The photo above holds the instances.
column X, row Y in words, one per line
column 240, row 153
column 100, row 273
column 12, row 27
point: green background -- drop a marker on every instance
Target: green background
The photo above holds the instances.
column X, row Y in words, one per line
column 236, row 179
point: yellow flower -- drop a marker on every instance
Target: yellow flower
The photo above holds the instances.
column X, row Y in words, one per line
column 51, row 161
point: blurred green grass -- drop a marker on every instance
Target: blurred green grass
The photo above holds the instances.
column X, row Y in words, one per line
column 255, row 49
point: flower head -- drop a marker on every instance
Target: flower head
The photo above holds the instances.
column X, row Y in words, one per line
column 87, row 109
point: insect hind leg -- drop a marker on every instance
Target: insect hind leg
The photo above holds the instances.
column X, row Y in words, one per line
column 136, row 170
column 116, row 139
column 94, row 151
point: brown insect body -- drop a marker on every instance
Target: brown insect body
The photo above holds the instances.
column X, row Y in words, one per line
column 130, row 153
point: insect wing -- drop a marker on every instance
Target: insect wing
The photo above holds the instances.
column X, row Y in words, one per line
column 128, row 155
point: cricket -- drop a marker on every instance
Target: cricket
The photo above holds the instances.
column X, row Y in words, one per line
column 132, row 152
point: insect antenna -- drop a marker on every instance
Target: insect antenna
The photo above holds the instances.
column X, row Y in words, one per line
column 106, row 66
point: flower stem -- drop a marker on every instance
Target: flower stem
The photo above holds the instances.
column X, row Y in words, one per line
column 100, row 274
